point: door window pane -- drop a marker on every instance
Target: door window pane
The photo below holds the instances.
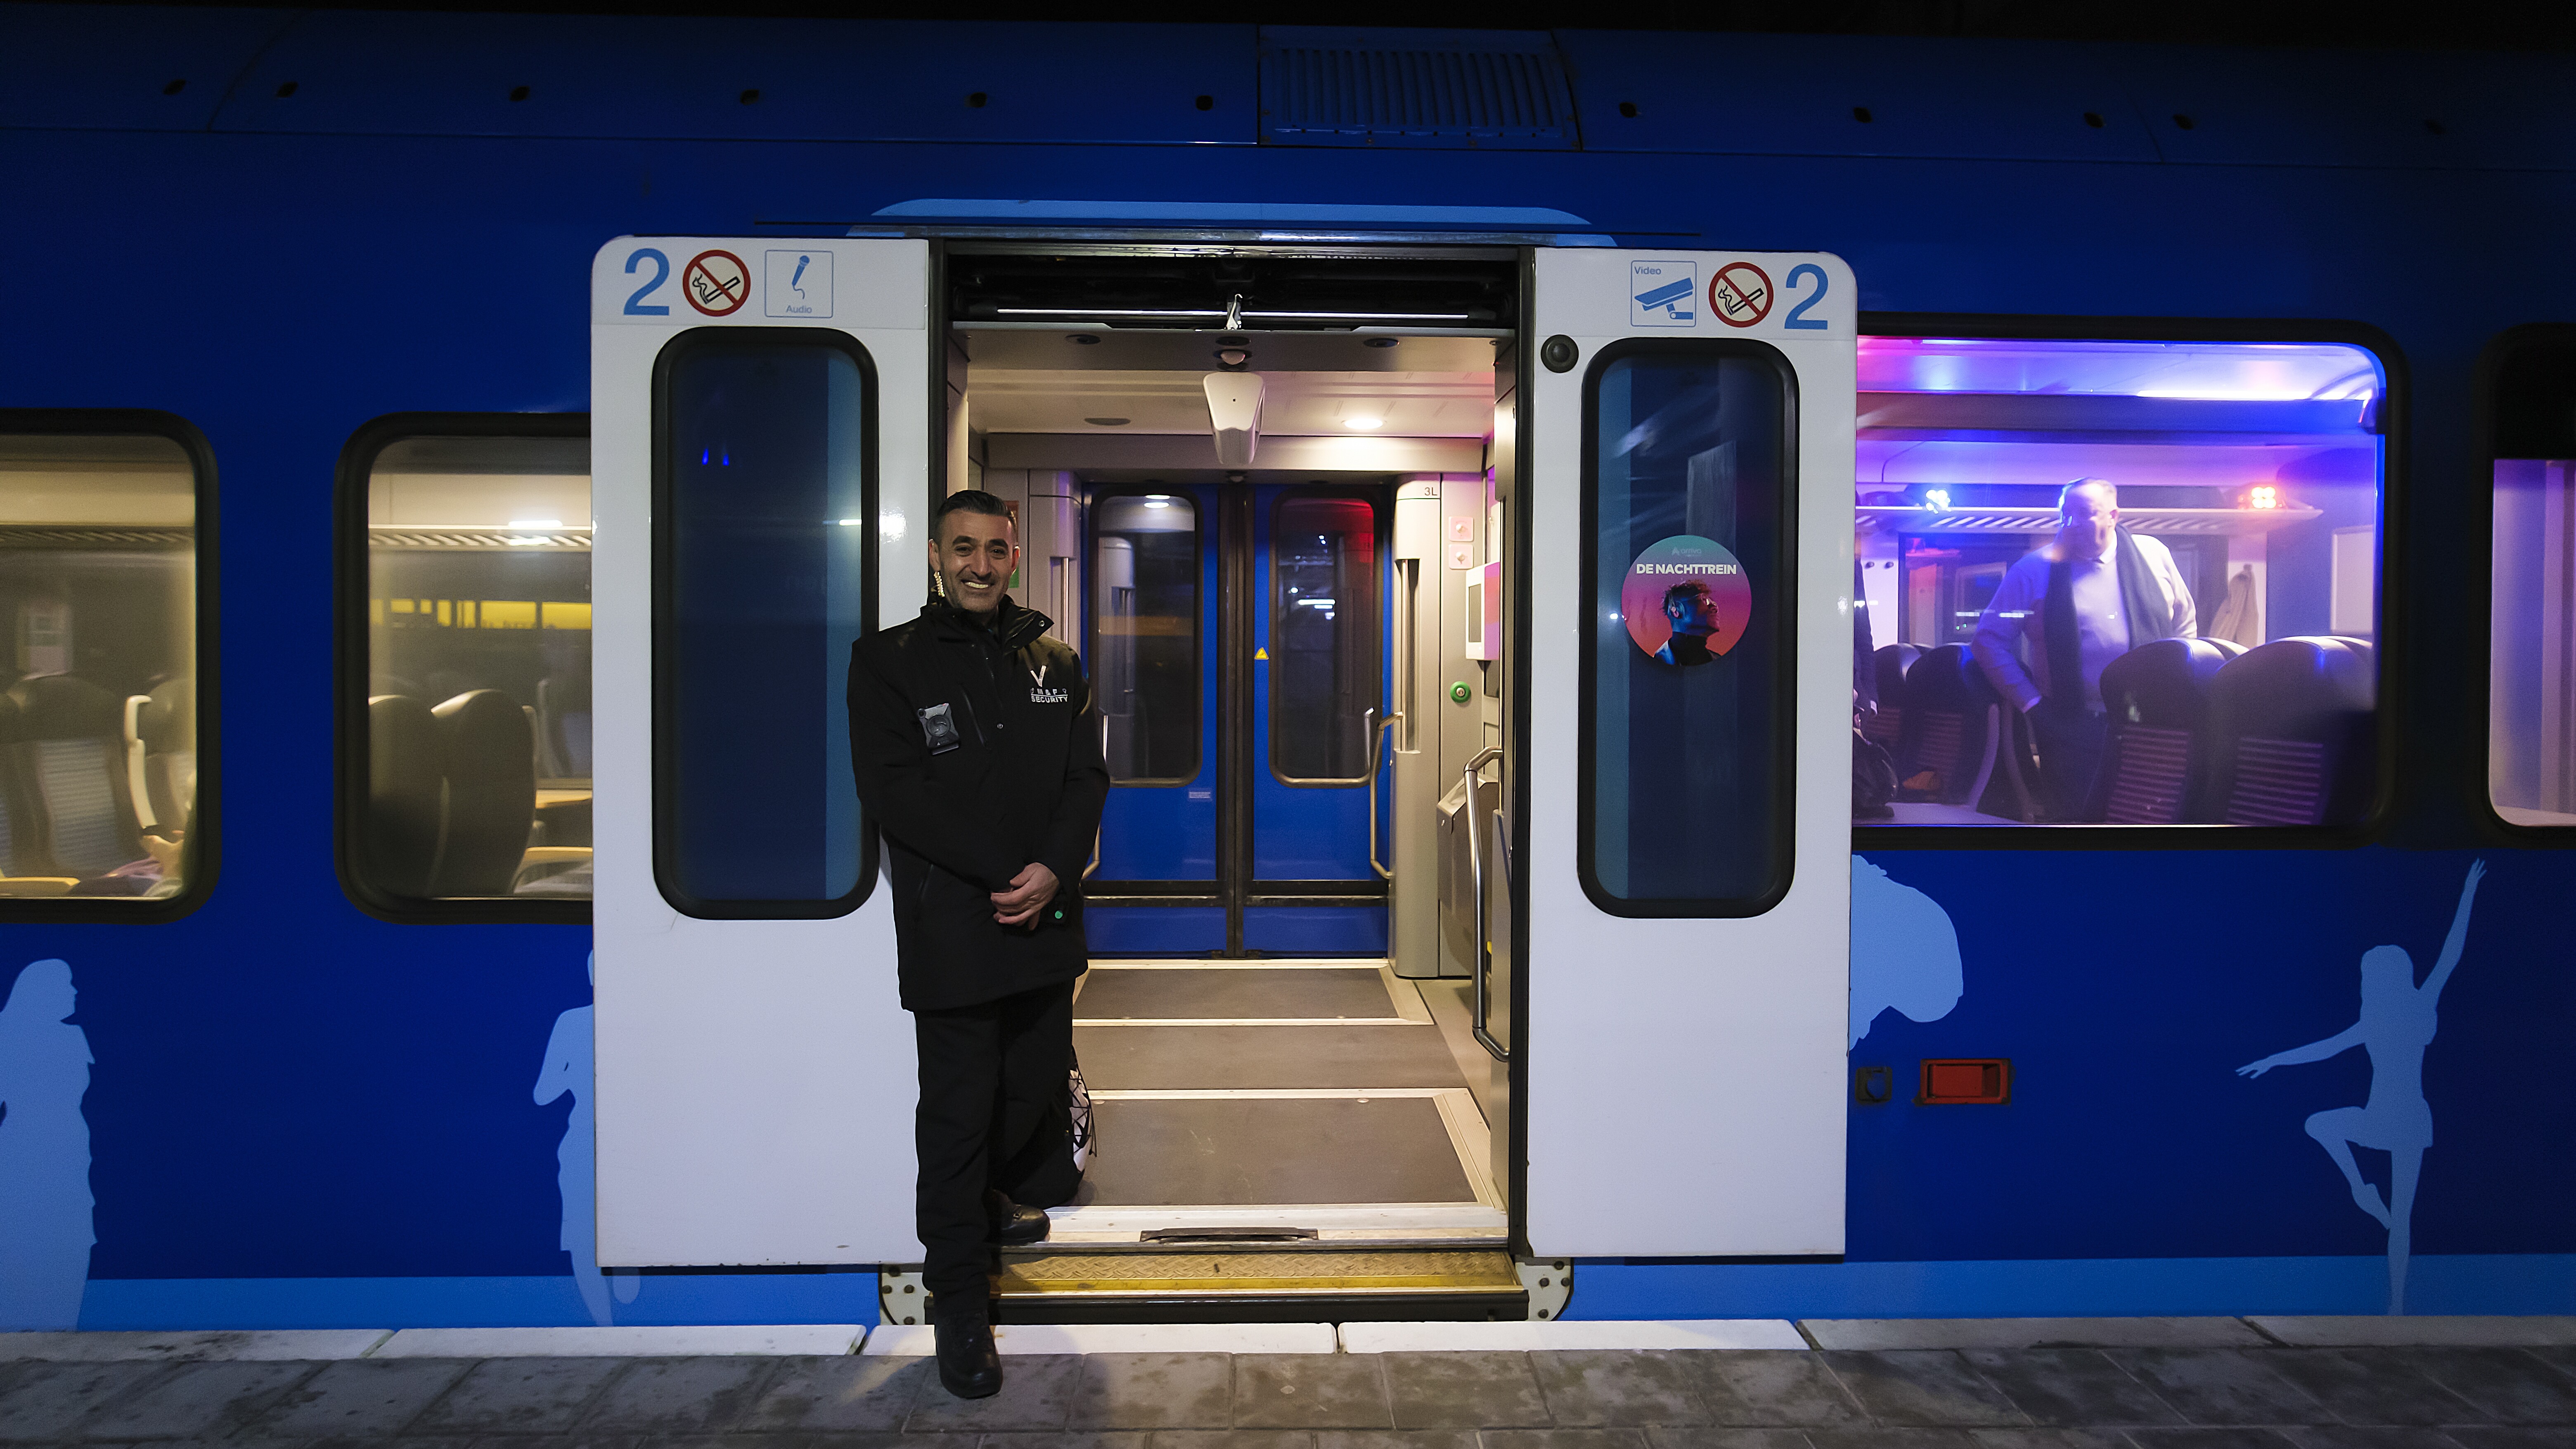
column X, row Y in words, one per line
column 1145, row 635
column 1687, row 664
column 1323, row 638
column 2531, row 716
column 761, row 560
column 98, row 751
column 2205, row 517
column 478, row 710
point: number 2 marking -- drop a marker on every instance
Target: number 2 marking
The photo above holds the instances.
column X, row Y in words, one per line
column 1798, row 320
column 662, row 273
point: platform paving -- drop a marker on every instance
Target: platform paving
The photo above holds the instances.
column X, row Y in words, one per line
column 1979, row 1384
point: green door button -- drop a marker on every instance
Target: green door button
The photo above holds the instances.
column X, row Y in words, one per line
column 1459, row 693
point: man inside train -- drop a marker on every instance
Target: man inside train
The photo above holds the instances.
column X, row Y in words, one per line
column 977, row 752
column 2094, row 592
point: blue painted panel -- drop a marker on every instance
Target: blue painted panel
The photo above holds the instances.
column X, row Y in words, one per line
column 1154, row 930
column 112, row 67
column 1315, row 930
column 1612, row 1288
column 453, row 74
column 1798, row 94
column 2353, row 107
column 469, row 1302
column 1342, row 86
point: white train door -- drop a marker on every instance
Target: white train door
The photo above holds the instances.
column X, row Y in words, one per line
column 1683, row 868
column 760, row 415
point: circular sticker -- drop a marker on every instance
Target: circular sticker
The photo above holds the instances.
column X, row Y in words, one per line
column 1740, row 294
column 1686, row 600
column 716, row 283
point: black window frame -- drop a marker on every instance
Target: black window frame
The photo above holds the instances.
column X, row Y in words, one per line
column 2390, row 649
column 204, row 846
column 1094, row 497
column 1380, row 500
column 355, row 642
column 664, row 766
column 1784, row 703
column 2510, row 423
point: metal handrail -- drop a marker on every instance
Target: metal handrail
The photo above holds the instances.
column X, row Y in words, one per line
column 1375, row 731
column 1095, row 830
column 1482, row 965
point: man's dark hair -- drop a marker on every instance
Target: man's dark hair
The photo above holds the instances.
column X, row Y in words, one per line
column 1685, row 589
column 971, row 500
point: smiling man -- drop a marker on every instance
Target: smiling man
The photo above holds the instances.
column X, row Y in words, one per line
column 978, row 756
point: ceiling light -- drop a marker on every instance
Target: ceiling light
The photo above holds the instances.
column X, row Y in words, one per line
column 1364, row 423
column 1157, row 500
column 1106, row 422
column 851, row 522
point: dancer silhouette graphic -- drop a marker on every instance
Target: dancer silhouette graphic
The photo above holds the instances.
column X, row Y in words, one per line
column 2397, row 1022
column 45, row 1204
column 568, row 1068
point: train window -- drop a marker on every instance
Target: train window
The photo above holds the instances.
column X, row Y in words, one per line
column 2117, row 582
column 1323, row 638
column 475, row 728
column 98, row 725
column 1689, row 465
column 764, row 483
column 1145, row 635
column 2531, row 715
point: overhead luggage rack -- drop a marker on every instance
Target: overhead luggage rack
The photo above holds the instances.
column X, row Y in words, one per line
column 1895, row 518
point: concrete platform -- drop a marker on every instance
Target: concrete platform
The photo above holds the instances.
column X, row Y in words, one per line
column 1626, row 1336
column 1060, row 1338
column 184, row 1347
column 636, row 1342
column 2405, row 1331
column 1902, row 1333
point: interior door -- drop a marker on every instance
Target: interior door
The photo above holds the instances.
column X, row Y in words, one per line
column 760, row 453
column 1680, row 870
column 1239, row 646
column 1319, row 648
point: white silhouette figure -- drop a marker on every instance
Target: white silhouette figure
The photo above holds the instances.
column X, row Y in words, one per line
column 2397, row 1023
column 45, row 1204
column 1904, row 952
column 569, row 1067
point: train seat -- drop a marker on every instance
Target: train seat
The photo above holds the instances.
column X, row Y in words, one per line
column 1946, row 749
column 563, row 727
column 452, row 797
column 161, row 755
column 70, row 755
column 491, row 800
column 2292, row 723
column 1890, row 664
column 2156, row 755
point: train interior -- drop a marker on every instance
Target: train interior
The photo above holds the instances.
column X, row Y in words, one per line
column 478, row 669
column 98, row 723
column 1261, row 496
column 2256, row 467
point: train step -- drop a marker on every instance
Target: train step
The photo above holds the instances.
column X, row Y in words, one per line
column 1245, row 1283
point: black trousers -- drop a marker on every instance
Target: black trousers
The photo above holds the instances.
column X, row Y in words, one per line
column 2070, row 739
column 991, row 1075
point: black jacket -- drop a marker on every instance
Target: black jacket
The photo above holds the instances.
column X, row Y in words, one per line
column 977, row 752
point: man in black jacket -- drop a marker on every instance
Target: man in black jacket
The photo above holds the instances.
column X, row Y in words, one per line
column 978, row 757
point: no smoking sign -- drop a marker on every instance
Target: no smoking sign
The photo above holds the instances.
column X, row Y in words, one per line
column 716, row 283
column 1740, row 294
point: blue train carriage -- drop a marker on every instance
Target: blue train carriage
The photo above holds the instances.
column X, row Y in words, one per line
column 1458, row 548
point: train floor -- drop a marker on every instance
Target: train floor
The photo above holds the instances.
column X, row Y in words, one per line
column 1316, row 1097
column 2213, row 1383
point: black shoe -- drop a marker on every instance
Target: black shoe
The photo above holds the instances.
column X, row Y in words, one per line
column 1013, row 1225
column 969, row 1366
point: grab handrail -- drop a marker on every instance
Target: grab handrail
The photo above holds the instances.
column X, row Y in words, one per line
column 1483, row 951
column 1375, row 731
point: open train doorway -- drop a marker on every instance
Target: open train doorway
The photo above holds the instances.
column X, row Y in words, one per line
column 1234, row 473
